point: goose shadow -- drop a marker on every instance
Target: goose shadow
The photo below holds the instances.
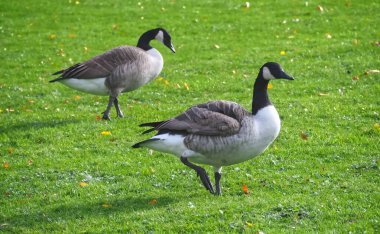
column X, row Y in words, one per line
column 35, row 125
column 84, row 210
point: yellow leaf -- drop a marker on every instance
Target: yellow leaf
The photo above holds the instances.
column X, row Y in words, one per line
column 105, row 205
column 106, row 133
column 270, row 86
column 72, row 35
column 249, row 224
column 186, row 86
column 76, row 97
column 216, row 46
column 328, row 36
column 83, row 184
column 52, row 36
column 6, row 165
column 282, row 52
column 320, row 8
column 376, row 126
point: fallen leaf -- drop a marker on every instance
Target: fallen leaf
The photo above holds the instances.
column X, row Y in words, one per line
column 98, row 118
column 52, row 36
column 304, row 136
column 328, row 35
column 282, row 52
column 245, row 189
column 83, row 184
column 115, row 27
column 10, row 150
column 377, row 43
column 85, row 49
column 105, row 205
column 216, row 46
column 247, row 5
column 106, row 133
column 355, row 41
column 30, row 162
column 186, row 86
column 323, row 94
column 319, row 8
column 72, row 35
column 371, row 71
column 249, row 224
column 377, row 126
column 177, row 86
column 76, row 97
column 10, row 110
column 153, row 202
column 269, row 86
column 6, row 165
column 355, row 78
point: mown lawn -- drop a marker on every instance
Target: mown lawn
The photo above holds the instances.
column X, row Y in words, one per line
column 60, row 174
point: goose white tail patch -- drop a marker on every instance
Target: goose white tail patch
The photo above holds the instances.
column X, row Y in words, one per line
column 94, row 86
column 168, row 143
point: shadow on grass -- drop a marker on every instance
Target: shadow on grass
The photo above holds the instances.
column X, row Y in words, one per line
column 72, row 212
column 35, row 125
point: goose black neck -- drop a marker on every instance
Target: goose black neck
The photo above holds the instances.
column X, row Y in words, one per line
column 260, row 94
column 144, row 40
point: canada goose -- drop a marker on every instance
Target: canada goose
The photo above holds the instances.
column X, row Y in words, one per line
column 119, row 70
column 220, row 133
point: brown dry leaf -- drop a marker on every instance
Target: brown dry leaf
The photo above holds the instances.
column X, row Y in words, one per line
column 304, row 136
column 30, row 162
column 10, row 150
column 153, row 202
column 98, row 118
column 6, row 165
column 355, row 78
column 377, row 43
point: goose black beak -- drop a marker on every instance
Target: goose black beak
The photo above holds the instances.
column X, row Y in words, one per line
column 171, row 47
column 286, row 76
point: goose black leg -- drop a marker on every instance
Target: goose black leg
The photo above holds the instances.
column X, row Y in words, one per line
column 106, row 113
column 217, row 183
column 118, row 111
column 201, row 173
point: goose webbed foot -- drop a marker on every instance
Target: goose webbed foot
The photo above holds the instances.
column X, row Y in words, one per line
column 201, row 173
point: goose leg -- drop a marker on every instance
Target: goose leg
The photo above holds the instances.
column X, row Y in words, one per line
column 201, row 173
column 106, row 113
column 218, row 175
column 118, row 111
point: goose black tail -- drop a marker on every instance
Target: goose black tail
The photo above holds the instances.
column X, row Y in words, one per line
column 141, row 143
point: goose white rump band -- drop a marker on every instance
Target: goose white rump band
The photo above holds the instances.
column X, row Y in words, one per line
column 94, row 86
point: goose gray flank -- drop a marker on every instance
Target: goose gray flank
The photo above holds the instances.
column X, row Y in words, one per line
column 220, row 133
column 119, row 70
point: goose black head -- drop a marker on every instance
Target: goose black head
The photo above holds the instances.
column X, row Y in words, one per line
column 272, row 70
column 159, row 34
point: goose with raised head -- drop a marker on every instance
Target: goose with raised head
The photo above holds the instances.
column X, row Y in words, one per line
column 220, row 133
column 119, row 70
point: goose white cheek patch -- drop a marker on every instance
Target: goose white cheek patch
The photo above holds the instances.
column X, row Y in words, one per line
column 160, row 36
column 267, row 74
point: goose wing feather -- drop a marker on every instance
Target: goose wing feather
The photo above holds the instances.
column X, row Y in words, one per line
column 102, row 65
column 217, row 118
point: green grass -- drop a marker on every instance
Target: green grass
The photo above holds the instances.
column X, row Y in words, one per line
column 51, row 139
